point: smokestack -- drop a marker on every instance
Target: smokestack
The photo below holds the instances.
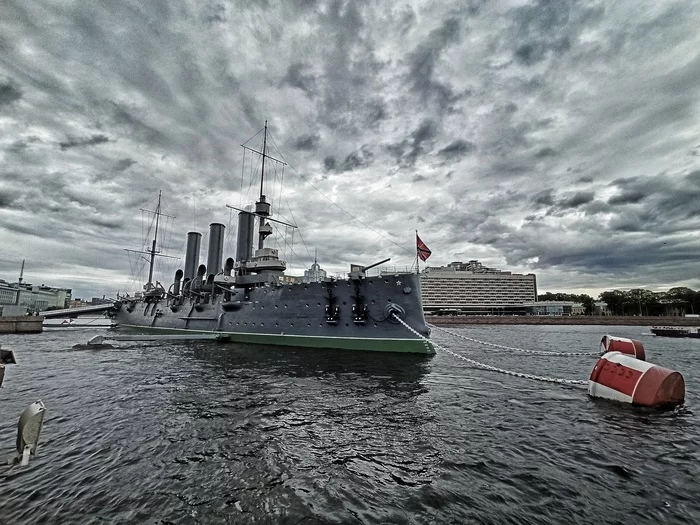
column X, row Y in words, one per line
column 192, row 257
column 216, row 247
column 244, row 244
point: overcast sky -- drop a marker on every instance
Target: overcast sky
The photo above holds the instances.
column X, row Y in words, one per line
column 560, row 138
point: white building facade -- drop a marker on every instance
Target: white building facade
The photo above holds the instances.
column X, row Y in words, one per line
column 471, row 288
column 34, row 298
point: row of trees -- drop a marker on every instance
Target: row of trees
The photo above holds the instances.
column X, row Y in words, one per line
column 638, row 301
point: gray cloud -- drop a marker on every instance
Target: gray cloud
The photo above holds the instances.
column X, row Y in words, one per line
column 299, row 76
column 423, row 62
column 456, row 150
column 577, row 199
column 307, row 142
column 410, row 149
column 361, row 158
column 74, row 142
column 556, row 137
column 9, row 93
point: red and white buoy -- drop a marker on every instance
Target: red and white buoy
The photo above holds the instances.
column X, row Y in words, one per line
column 611, row 343
column 623, row 378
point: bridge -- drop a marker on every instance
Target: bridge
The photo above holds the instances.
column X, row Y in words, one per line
column 75, row 312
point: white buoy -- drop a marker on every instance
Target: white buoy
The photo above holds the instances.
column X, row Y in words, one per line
column 28, row 430
column 620, row 377
column 611, row 343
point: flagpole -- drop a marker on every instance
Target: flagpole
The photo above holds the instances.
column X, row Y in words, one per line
column 417, row 263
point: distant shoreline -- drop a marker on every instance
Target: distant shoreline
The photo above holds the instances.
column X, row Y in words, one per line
column 627, row 320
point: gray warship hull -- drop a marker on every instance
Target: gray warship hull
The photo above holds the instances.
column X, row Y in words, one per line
column 251, row 300
column 351, row 314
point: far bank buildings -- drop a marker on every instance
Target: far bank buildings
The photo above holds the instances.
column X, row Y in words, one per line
column 472, row 288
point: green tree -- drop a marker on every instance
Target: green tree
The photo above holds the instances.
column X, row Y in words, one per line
column 615, row 300
column 588, row 304
column 681, row 295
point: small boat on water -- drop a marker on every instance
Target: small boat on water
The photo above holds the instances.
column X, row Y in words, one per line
column 251, row 300
column 675, row 331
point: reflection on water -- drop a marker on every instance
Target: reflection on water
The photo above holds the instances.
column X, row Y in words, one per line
column 221, row 433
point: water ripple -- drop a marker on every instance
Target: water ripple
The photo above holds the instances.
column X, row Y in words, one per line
column 208, row 433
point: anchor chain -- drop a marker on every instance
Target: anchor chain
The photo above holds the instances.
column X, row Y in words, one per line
column 515, row 349
column 484, row 366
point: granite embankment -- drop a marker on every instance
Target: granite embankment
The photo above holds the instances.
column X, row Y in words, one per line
column 626, row 320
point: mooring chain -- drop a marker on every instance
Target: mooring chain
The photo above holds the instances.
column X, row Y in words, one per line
column 515, row 349
column 493, row 368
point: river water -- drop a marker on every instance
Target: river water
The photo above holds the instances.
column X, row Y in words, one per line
column 179, row 433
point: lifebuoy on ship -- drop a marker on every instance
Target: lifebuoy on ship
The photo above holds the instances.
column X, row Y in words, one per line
column 611, row 343
column 620, row 377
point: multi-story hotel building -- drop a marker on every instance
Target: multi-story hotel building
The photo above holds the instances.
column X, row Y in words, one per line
column 471, row 288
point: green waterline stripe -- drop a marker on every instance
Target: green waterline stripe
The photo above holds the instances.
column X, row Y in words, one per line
column 313, row 341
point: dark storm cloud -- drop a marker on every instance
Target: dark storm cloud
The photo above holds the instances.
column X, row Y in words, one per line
column 549, row 28
column 424, row 60
column 545, row 152
column 299, row 76
column 630, row 197
column 544, row 197
column 359, row 159
column 306, row 142
column 9, row 93
column 576, row 200
column 74, row 142
column 124, row 164
column 410, row 149
column 456, row 150
column 7, row 197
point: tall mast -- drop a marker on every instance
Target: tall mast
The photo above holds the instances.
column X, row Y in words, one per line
column 262, row 207
column 262, row 170
column 153, row 247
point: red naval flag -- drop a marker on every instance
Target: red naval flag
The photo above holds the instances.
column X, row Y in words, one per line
column 423, row 251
